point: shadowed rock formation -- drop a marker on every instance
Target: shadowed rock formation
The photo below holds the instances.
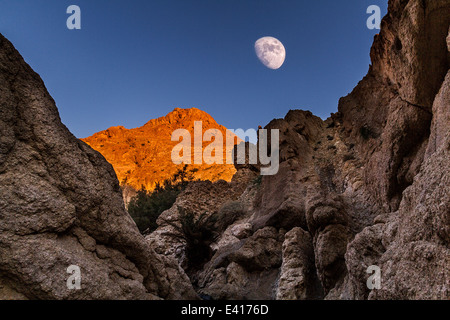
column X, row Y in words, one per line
column 368, row 186
column 61, row 205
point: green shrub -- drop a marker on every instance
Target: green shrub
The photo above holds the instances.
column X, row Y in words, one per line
column 146, row 207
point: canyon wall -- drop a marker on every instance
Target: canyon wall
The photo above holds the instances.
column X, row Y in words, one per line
column 368, row 186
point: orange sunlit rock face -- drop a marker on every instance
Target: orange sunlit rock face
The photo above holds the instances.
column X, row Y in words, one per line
column 142, row 156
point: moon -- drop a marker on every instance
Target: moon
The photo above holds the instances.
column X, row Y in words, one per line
column 271, row 52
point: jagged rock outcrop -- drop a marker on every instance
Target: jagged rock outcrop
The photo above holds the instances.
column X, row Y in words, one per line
column 61, row 205
column 411, row 245
column 405, row 157
column 368, row 186
column 298, row 279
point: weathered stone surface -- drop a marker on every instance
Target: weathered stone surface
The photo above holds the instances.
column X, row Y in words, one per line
column 261, row 251
column 280, row 198
column 389, row 112
column 368, row 186
column 441, row 117
column 61, row 205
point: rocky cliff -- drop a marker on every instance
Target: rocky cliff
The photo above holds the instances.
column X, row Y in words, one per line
column 368, row 186
column 61, row 205
column 142, row 156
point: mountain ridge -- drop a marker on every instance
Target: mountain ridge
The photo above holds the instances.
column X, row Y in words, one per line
column 141, row 157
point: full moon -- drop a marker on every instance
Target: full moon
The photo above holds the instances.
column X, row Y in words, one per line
column 270, row 52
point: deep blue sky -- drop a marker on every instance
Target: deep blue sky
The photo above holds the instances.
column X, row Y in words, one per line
column 136, row 60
